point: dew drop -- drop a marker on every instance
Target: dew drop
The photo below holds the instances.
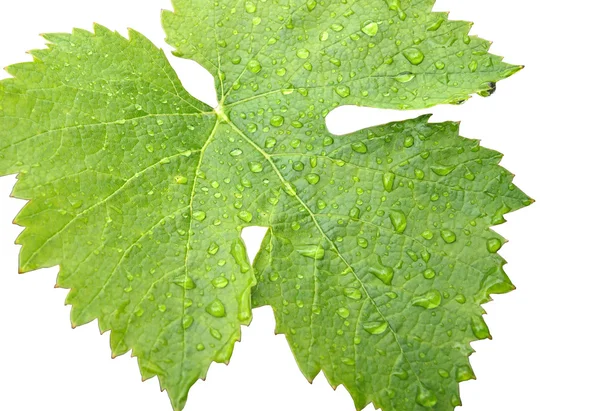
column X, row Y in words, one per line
column 303, row 53
column 270, row 142
column 448, row 236
column 254, row 66
column 220, row 282
column 352, row 293
column 238, row 251
column 385, row 274
column 405, row 77
column 403, row 375
column 489, row 89
column 493, row 245
column 312, row 251
column 250, row 7
column 393, row 4
column 426, row 398
column 255, row 167
column 398, row 219
column 435, row 26
column 427, row 234
column 473, row 66
column 313, row 178
column 181, row 180
column 235, row 152
column 342, row 91
column 277, row 121
column 216, row 309
column 245, row 216
column 370, row 28
column 465, row 373
column 375, row 327
column 359, row 147
column 216, row 334
column 414, row 55
column 388, row 181
column 199, row 215
column 187, row 321
column 429, row 300
column 498, row 217
column 213, row 248
column 480, row 328
column 343, row 312
column 429, row 273
column 455, row 401
column 442, row 170
column 185, row 282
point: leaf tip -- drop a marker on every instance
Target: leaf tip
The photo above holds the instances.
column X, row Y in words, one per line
column 100, row 29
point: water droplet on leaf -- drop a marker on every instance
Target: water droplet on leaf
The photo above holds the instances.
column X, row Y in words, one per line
column 493, row 245
column 216, row 309
column 185, row 281
column 429, row 300
column 414, row 55
column 388, row 181
column 375, row 327
column 187, row 321
column 342, row 91
column 359, row 147
column 220, row 282
column 352, row 293
column 425, row 397
column 370, row 28
column 398, row 219
column 254, row 66
column 312, row 251
column 448, row 236
column 405, row 77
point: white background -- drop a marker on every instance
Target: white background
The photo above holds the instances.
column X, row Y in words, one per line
column 544, row 355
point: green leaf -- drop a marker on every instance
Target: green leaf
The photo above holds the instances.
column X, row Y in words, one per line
column 379, row 252
column 131, row 196
column 382, row 53
column 392, row 299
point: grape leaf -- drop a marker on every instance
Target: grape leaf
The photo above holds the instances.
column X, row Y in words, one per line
column 379, row 278
column 379, row 252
